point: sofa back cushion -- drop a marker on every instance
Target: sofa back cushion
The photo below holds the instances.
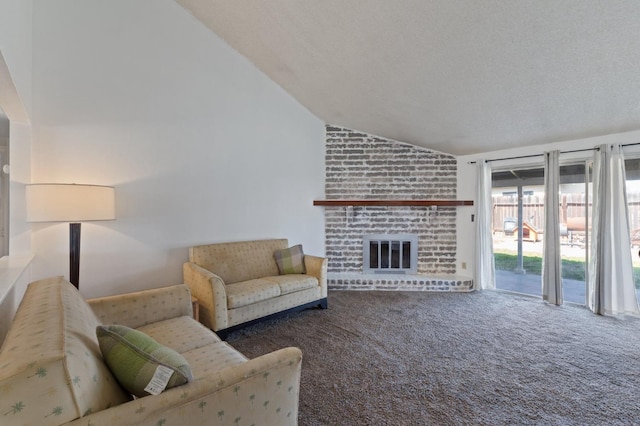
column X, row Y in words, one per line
column 239, row 261
column 51, row 368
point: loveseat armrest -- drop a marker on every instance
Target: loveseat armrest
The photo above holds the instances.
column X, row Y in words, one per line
column 261, row 391
column 210, row 291
column 317, row 267
column 143, row 307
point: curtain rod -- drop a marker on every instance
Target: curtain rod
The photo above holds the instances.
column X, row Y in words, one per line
column 538, row 155
column 630, row 144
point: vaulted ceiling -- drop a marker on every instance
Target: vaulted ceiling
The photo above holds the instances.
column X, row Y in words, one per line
column 458, row 76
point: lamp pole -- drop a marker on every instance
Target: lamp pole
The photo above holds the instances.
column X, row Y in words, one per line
column 74, row 254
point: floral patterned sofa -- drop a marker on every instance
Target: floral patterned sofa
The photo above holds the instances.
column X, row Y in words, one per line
column 239, row 283
column 52, row 370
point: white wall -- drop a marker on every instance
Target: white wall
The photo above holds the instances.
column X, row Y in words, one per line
column 15, row 45
column 200, row 146
column 467, row 179
column 16, row 102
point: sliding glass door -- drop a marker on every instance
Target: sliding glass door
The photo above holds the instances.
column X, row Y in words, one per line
column 518, row 223
column 518, row 215
column 574, row 236
column 632, row 168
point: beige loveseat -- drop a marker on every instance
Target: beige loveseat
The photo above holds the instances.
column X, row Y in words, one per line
column 52, row 371
column 239, row 283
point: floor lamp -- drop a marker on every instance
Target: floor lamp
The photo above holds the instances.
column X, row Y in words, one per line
column 73, row 203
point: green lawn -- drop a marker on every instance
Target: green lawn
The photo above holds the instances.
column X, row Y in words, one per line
column 571, row 269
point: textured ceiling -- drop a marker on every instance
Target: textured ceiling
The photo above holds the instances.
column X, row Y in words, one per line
column 456, row 76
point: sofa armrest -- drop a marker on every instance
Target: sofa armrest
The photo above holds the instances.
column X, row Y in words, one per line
column 210, row 291
column 264, row 390
column 317, row 267
column 143, row 307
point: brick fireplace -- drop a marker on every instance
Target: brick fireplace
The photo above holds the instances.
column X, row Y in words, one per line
column 363, row 166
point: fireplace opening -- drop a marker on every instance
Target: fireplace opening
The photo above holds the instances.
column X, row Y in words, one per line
column 390, row 254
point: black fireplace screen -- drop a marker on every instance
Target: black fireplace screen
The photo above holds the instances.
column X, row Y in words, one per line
column 395, row 255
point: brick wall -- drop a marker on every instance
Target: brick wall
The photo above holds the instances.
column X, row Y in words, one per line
column 362, row 166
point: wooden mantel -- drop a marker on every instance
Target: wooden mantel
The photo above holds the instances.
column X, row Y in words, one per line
column 419, row 203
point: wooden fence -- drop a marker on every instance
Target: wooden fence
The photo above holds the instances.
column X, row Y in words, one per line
column 572, row 211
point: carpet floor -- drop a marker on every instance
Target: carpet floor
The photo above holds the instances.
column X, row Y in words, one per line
column 482, row 358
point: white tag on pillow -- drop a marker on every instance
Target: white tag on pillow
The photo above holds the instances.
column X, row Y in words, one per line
column 159, row 380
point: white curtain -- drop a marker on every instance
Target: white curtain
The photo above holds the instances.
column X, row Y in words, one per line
column 610, row 286
column 485, row 266
column 551, row 263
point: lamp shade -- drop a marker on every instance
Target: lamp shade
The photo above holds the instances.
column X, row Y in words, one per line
column 54, row 202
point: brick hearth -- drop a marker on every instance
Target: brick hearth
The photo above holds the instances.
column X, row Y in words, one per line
column 400, row 282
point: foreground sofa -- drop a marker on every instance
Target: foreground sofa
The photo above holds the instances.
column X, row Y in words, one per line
column 52, row 371
column 239, row 283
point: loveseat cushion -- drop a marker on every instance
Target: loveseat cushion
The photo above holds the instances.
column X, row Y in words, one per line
column 181, row 334
column 133, row 358
column 293, row 282
column 203, row 350
column 248, row 292
column 51, row 368
column 212, row 358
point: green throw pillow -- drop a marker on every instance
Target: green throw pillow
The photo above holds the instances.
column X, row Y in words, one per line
column 133, row 357
column 290, row 260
